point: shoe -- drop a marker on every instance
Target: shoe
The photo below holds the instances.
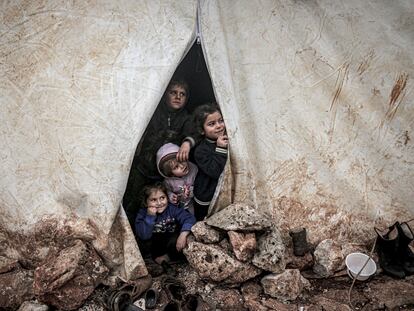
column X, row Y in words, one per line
column 131, row 307
column 171, row 306
column 174, row 288
column 153, row 268
column 168, row 269
column 300, row 244
column 387, row 249
column 406, row 235
column 118, row 300
column 151, row 298
column 190, row 303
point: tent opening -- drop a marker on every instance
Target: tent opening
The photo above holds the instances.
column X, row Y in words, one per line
column 193, row 70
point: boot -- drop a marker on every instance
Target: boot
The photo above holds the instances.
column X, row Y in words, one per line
column 387, row 247
column 300, row 244
column 406, row 235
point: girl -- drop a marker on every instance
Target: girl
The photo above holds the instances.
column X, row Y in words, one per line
column 164, row 225
column 210, row 156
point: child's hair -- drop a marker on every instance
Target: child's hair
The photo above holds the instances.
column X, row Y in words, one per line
column 201, row 113
column 180, row 82
column 148, row 189
column 167, row 166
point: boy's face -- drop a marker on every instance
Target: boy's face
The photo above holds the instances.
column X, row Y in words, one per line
column 176, row 97
column 213, row 126
column 159, row 200
column 179, row 169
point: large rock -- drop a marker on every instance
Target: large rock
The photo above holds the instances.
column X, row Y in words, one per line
column 286, row 286
column 244, row 245
column 16, row 286
column 205, row 234
column 330, row 304
column 212, row 263
column 270, row 255
column 228, row 299
column 328, row 258
column 239, row 217
column 33, row 306
column 66, row 280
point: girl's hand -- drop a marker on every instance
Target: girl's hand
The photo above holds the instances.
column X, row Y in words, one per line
column 222, row 141
column 184, row 152
column 152, row 210
column 174, row 198
column 182, row 240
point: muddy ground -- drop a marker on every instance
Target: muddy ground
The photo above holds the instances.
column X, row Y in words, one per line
column 379, row 293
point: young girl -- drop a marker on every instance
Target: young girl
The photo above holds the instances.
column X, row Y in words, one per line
column 210, row 156
column 163, row 224
column 179, row 176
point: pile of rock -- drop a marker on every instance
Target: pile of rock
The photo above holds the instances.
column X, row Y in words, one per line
column 238, row 246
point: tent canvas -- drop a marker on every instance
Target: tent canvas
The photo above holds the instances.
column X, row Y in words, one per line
column 317, row 97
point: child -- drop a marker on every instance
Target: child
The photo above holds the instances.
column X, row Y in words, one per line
column 165, row 225
column 170, row 123
column 210, row 156
column 179, row 176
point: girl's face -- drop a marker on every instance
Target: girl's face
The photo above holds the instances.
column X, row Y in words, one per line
column 158, row 199
column 176, row 97
column 213, row 126
column 180, row 169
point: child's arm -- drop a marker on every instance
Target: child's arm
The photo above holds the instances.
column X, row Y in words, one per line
column 144, row 223
column 186, row 220
column 182, row 240
column 188, row 131
column 211, row 162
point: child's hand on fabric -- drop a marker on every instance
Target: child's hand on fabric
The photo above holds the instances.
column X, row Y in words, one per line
column 152, row 210
column 186, row 192
column 182, row 240
column 222, row 141
column 173, row 198
column 184, row 152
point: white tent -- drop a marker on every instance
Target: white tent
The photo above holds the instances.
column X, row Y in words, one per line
column 317, row 97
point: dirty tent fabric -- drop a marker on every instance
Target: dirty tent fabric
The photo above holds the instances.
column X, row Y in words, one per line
column 317, row 97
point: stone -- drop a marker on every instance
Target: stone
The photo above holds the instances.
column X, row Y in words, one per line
column 392, row 294
column 273, row 304
column 33, row 306
column 270, row 255
column 212, row 263
column 251, row 289
column 205, row 234
column 301, row 263
column 330, row 304
column 74, row 272
column 16, row 286
column 228, row 299
column 286, row 286
column 7, row 264
column 328, row 258
column 254, row 305
column 240, row 217
column 244, row 245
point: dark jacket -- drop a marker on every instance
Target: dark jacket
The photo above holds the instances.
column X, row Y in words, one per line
column 171, row 220
column 210, row 160
column 166, row 126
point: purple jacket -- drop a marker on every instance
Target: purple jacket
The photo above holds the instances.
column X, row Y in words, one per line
column 178, row 185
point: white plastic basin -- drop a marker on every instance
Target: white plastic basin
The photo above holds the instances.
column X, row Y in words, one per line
column 355, row 261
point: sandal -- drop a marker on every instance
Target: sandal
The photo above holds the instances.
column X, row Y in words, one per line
column 151, row 298
column 174, row 288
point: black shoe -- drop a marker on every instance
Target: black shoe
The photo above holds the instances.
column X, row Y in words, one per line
column 151, row 298
column 174, row 288
column 300, row 244
column 171, row 306
column 406, row 235
column 168, row 269
column 190, row 303
column 387, row 249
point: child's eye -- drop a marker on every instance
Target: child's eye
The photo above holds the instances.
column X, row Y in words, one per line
column 183, row 94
